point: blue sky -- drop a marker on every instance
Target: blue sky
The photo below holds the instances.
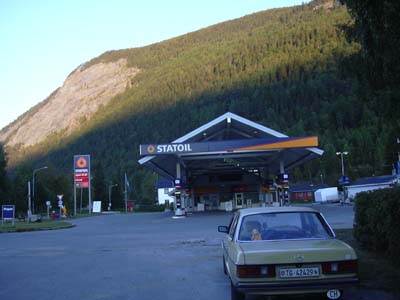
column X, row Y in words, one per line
column 42, row 41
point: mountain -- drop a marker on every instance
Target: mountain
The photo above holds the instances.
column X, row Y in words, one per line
column 296, row 70
column 82, row 93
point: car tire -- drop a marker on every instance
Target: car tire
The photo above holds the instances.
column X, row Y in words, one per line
column 321, row 296
column 235, row 294
column 224, row 265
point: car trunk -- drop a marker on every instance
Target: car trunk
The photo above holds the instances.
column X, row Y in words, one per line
column 295, row 251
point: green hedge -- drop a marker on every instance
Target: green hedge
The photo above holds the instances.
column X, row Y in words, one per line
column 377, row 222
column 149, row 208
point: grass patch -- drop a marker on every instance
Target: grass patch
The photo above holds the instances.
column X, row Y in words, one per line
column 86, row 215
column 24, row 226
column 375, row 271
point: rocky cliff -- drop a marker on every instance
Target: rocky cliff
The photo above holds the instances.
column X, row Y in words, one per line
column 84, row 90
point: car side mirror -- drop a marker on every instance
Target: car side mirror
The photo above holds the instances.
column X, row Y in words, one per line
column 223, row 229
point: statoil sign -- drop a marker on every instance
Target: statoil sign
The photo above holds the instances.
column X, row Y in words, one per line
column 81, row 170
column 166, row 149
column 261, row 144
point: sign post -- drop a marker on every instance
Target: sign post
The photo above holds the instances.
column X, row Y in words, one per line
column 60, row 203
column 343, row 181
column 82, row 177
column 7, row 213
column 29, row 213
column 48, row 204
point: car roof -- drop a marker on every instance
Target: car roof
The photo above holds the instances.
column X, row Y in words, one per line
column 281, row 209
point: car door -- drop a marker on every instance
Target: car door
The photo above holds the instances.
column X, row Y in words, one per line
column 229, row 244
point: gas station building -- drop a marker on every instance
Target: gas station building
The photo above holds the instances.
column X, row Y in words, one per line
column 229, row 163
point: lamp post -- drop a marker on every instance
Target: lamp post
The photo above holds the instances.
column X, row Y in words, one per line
column 342, row 153
column 109, row 195
column 341, row 157
column 29, row 212
column 33, row 187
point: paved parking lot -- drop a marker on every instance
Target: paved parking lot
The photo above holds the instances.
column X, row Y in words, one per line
column 139, row 256
column 338, row 216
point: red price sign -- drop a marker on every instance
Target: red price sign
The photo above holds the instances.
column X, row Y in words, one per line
column 81, row 170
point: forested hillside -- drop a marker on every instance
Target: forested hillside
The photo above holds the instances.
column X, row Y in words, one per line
column 297, row 70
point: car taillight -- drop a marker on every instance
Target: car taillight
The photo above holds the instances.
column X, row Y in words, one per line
column 347, row 266
column 255, row 271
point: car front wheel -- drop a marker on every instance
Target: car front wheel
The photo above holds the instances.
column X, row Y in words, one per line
column 235, row 294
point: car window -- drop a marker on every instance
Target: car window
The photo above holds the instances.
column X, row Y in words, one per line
column 230, row 223
column 233, row 226
column 315, row 225
column 283, row 226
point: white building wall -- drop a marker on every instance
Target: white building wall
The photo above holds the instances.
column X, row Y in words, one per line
column 163, row 195
column 327, row 194
column 354, row 190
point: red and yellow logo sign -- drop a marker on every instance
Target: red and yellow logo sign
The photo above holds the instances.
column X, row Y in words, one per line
column 151, row 149
column 81, row 163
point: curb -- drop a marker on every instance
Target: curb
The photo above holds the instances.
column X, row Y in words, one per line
column 38, row 229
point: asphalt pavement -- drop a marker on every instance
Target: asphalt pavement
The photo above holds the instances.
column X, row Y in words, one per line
column 135, row 256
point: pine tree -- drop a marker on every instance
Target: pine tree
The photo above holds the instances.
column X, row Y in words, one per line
column 3, row 175
column 99, row 183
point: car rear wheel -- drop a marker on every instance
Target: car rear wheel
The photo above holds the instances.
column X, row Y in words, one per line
column 236, row 295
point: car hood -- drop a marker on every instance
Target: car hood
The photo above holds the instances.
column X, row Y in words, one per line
column 295, row 251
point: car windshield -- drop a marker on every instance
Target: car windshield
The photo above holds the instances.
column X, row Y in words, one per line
column 283, row 226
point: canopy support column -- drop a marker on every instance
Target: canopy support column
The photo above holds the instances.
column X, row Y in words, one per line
column 281, row 171
column 179, row 193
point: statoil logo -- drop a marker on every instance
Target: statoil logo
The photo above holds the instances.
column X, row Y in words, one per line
column 81, row 162
column 151, row 149
column 173, row 148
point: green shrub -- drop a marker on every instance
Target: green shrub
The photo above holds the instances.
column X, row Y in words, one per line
column 149, row 208
column 377, row 222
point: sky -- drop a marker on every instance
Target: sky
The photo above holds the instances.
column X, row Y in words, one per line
column 42, row 41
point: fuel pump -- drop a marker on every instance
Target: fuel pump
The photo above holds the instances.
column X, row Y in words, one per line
column 179, row 199
column 286, row 196
column 283, row 188
column 179, row 204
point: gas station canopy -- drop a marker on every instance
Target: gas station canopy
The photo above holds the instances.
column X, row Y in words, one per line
column 230, row 144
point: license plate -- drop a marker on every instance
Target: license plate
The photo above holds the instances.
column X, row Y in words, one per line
column 299, row 272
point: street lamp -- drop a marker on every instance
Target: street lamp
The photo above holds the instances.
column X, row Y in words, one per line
column 33, row 187
column 341, row 157
column 109, row 195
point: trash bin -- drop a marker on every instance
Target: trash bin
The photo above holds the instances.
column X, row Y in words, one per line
column 53, row 215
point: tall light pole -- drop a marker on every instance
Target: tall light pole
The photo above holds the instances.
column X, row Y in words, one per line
column 342, row 153
column 33, row 187
column 109, row 195
column 341, row 157
column 29, row 212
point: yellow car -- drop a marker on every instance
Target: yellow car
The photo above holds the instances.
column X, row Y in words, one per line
column 283, row 251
